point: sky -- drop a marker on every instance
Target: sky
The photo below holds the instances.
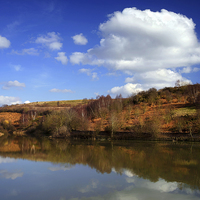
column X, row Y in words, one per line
column 76, row 49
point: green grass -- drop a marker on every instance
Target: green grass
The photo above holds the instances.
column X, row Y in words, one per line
column 54, row 103
column 42, row 105
column 185, row 111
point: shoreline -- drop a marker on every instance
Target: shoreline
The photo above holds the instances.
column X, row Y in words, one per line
column 119, row 136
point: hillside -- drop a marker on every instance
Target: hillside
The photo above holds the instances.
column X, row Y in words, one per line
column 168, row 113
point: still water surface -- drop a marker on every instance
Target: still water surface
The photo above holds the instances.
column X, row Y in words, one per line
column 60, row 170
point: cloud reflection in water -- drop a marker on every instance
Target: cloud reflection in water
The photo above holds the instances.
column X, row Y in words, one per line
column 10, row 175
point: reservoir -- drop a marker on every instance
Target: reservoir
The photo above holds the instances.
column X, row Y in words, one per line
column 39, row 168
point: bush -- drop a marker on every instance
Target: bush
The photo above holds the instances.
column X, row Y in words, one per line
column 103, row 112
column 168, row 115
column 82, row 123
column 153, row 126
column 53, row 122
column 137, row 112
column 152, row 95
column 138, row 128
column 58, row 122
column 197, row 124
column 97, row 128
column 2, row 130
column 168, row 96
column 95, row 108
column 61, row 131
column 72, row 119
column 7, row 125
column 179, row 124
column 114, row 124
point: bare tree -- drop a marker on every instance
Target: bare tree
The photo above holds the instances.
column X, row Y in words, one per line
column 193, row 92
column 168, row 96
column 113, row 124
column 178, row 83
column 32, row 114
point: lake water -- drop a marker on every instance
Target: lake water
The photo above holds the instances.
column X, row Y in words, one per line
column 60, row 170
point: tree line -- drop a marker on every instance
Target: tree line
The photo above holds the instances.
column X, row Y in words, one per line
column 111, row 115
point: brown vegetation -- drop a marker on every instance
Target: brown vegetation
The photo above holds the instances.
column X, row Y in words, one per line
column 152, row 113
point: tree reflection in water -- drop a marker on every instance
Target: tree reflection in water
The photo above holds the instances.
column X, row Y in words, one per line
column 172, row 162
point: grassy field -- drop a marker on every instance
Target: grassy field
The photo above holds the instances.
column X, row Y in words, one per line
column 55, row 103
column 43, row 106
column 185, row 111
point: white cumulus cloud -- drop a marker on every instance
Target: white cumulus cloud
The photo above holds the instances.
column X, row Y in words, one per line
column 126, row 90
column 159, row 78
column 7, row 100
column 62, row 91
column 84, row 58
column 4, row 42
column 135, row 40
column 187, row 70
column 77, row 58
column 51, row 40
column 30, row 51
column 62, row 58
column 89, row 72
column 15, row 83
column 146, row 45
column 86, row 71
column 80, row 39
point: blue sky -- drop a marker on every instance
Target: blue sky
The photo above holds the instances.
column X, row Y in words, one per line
column 64, row 50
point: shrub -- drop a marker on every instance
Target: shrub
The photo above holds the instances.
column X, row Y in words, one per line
column 61, row 131
column 97, row 128
column 197, row 124
column 138, row 128
column 168, row 115
column 179, row 124
column 2, row 130
column 152, row 95
column 193, row 92
column 168, row 96
column 7, row 125
column 144, row 107
column 53, row 122
column 82, row 123
column 114, row 124
column 128, row 112
column 137, row 112
column 67, row 120
column 103, row 112
column 153, row 125
column 95, row 108
column 72, row 119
